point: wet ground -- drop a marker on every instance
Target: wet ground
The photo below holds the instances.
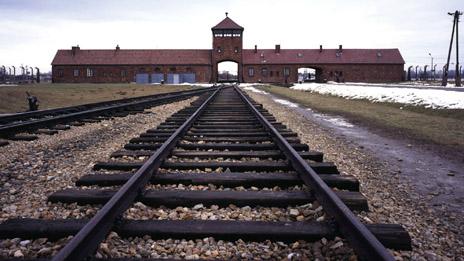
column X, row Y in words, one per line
column 436, row 177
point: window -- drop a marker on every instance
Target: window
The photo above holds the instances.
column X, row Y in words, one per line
column 60, row 73
column 264, row 72
column 76, row 72
column 123, row 73
column 90, row 72
column 157, row 69
column 286, row 71
column 251, row 71
column 277, row 73
column 236, row 50
column 219, row 49
column 172, row 69
column 271, row 73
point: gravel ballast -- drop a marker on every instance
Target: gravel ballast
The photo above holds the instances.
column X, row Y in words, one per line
column 31, row 171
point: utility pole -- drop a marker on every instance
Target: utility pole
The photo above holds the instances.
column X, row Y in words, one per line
column 444, row 82
column 431, row 68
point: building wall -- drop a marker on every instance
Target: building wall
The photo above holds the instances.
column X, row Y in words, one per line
column 374, row 73
column 123, row 73
column 231, row 50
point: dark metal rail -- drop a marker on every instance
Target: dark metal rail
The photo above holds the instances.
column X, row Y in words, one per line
column 11, row 129
column 361, row 239
column 87, row 240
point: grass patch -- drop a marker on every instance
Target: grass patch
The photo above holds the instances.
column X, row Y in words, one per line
column 13, row 98
column 443, row 127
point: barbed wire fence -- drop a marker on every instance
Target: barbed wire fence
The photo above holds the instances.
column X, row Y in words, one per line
column 23, row 74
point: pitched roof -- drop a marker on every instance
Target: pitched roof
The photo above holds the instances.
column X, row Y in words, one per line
column 327, row 56
column 130, row 57
column 227, row 23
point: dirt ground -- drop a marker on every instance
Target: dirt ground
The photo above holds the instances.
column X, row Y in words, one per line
column 13, row 98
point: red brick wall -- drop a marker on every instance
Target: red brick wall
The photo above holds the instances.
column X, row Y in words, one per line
column 112, row 73
column 375, row 73
column 227, row 45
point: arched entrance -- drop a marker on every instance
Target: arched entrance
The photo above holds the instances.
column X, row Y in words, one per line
column 227, row 71
column 309, row 74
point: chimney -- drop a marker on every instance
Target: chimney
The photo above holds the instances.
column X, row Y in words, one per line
column 256, row 48
column 277, row 48
column 74, row 49
column 340, row 48
column 320, row 48
column 117, row 48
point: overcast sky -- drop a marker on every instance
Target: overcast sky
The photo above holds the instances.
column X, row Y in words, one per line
column 32, row 30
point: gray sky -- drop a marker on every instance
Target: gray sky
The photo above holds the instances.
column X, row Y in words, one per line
column 32, row 30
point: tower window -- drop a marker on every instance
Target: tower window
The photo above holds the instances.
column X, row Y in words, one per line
column 236, row 50
column 219, row 49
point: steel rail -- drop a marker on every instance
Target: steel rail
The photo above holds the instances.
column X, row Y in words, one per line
column 365, row 244
column 46, row 112
column 87, row 240
column 7, row 130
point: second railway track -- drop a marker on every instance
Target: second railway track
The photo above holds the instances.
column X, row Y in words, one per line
column 50, row 121
column 240, row 156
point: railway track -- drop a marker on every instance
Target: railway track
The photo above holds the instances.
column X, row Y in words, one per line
column 226, row 141
column 52, row 120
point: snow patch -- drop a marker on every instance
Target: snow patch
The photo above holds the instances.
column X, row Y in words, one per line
column 253, row 89
column 286, row 103
column 429, row 98
column 339, row 122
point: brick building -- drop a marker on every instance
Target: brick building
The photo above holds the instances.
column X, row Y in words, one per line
column 253, row 65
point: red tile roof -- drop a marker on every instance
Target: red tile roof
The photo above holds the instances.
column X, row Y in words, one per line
column 131, row 57
column 227, row 23
column 203, row 57
column 327, row 56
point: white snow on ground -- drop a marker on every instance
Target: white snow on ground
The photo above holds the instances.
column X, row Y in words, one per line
column 415, row 84
column 253, row 89
column 286, row 103
column 335, row 121
column 250, row 84
column 429, row 98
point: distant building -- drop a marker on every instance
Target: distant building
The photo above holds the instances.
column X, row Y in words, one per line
column 254, row 65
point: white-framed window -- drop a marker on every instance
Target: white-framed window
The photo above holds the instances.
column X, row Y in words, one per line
column 264, row 72
column 76, row 72
column 286, row 71
column 90, row 72
column 251, row 71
